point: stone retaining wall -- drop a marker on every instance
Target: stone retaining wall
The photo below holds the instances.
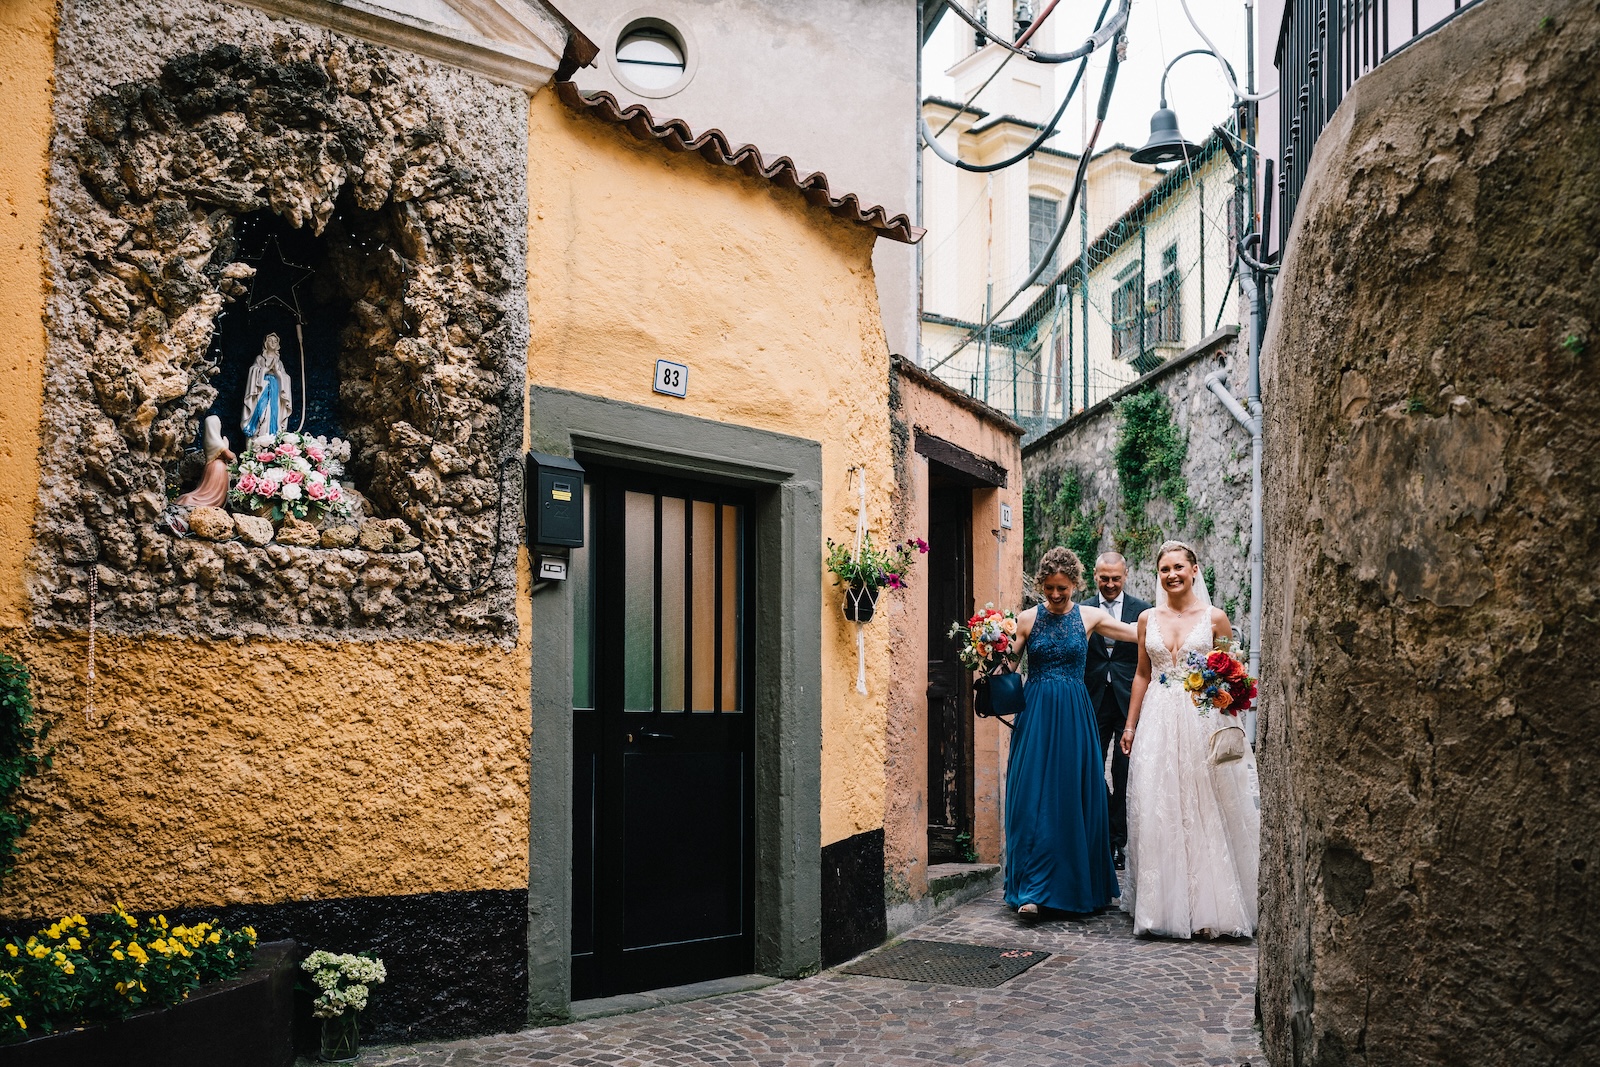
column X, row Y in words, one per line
column 1216, row 472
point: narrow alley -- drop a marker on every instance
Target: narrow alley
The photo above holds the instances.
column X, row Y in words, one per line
column 1102, row 997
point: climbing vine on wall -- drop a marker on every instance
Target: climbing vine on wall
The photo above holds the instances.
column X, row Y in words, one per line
column 1149, row 458
column 20, row 755
column 1061, row 518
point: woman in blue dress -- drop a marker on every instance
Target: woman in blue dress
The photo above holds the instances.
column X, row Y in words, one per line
column 1058, row 839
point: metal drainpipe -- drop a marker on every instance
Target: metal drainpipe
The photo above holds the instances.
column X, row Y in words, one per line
column 1216, row 381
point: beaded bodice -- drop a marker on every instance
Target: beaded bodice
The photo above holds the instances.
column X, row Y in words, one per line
column 1057, row 645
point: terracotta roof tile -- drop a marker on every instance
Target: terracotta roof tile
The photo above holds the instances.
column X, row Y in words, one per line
column 714, row 147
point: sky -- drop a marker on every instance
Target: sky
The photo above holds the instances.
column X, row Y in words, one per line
column 1157, row 31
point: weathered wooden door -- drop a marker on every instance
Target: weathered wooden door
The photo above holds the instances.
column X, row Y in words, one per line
column 663, row 821
column 949, row 690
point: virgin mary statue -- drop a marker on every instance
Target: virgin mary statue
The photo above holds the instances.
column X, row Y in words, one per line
column 267, row 397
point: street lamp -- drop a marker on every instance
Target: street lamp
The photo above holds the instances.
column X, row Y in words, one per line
column 1166, row 144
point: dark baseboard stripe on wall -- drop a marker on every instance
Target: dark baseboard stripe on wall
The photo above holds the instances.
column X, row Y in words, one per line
column 853, row 917
column 457, row 962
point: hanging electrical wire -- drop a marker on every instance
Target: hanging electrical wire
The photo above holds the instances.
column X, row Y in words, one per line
column 1033, row 27
column 1239, row 95
column 1047, row 257
column 1097, row 40
column 930, row 139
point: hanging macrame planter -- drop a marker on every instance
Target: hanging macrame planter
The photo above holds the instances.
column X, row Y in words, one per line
column 865, row 570
column 860, row 601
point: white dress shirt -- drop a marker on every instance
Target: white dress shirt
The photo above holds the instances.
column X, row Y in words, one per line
column 1114, row 609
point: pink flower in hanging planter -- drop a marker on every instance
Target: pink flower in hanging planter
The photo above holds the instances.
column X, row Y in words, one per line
column 893, row 580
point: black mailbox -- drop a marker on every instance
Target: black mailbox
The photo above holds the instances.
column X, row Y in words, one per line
column 555, row 501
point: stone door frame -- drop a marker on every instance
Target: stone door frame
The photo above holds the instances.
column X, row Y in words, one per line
column 785, row 475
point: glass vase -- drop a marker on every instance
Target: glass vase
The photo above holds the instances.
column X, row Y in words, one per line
column 341, row 1040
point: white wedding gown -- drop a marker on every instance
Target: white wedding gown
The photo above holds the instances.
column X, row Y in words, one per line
column 1194, row 828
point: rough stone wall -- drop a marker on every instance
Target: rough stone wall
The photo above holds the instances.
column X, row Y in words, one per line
column 1430, row 792
column 1216, row 470
column 173, row 120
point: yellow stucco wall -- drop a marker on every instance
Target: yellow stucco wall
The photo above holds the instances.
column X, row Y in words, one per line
column 262, row 771
column 228, row 772
column 27, row 63
column 638, row 254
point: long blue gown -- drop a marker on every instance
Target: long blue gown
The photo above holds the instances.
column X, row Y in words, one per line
column 1058, row 839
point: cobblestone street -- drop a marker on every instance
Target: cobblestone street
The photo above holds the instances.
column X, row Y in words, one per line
column 1102, row 998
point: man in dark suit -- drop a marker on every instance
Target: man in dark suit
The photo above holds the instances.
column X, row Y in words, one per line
column 1108, row 675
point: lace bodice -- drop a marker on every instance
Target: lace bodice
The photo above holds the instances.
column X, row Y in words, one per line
column 1057, row 646
column 1198, row 639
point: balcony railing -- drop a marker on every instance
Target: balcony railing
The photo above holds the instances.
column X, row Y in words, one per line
column 1323, row 47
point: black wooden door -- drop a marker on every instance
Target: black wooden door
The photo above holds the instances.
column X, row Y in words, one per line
column 949, row 692
column 662, row 787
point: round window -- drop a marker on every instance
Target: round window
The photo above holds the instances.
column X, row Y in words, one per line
column 650, row 56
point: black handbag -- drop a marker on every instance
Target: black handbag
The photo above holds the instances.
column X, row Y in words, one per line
column 997, row 694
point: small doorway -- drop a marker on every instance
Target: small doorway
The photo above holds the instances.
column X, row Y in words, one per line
column 663, row 737
column 950, row 793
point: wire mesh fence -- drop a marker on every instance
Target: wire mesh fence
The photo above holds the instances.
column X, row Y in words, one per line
column 1154, row 283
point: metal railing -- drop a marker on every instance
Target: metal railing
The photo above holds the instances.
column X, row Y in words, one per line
column 1323, row 47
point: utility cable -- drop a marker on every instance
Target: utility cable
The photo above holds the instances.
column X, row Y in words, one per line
column 1098, row 40
column 1019, row 42
column 1049, row 253
column 929, row 138
column 1239, row 95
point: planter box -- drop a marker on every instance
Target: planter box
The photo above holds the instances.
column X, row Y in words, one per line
column 247, row 1021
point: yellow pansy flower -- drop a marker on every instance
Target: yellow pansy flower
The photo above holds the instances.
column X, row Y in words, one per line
column 20, row 1021
column 12, row 949
column 74, row 944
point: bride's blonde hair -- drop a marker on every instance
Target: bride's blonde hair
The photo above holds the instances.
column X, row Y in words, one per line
column 1168, row 547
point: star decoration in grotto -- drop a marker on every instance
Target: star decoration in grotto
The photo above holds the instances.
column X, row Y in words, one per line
column 276, row 279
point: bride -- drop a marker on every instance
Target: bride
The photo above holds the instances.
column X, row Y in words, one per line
column 1194, row 827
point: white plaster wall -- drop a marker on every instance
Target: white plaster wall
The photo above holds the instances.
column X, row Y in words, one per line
column 832, row 84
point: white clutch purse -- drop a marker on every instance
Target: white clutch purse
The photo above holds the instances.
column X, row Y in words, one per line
column 1227, row 744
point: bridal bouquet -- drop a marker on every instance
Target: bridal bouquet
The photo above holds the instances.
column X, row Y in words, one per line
column 1218, row 680
column 987, row 639
column 295, row 475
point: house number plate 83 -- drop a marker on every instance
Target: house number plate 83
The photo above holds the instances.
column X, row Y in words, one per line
column 672, row 378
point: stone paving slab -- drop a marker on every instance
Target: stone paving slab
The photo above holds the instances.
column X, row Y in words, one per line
column 1103, row 999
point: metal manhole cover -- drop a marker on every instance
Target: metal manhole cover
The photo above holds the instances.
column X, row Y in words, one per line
column 947, row 963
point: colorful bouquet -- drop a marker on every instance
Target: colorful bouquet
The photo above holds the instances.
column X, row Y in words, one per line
column 987, row 639
column 295, row 475
column 1218, row 680
column 876, row 567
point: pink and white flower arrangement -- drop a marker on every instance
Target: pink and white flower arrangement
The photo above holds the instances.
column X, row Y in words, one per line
column 294, row 475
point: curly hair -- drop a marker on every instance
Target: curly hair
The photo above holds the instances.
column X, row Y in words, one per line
column 1177, row 546
column 1060, row 561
